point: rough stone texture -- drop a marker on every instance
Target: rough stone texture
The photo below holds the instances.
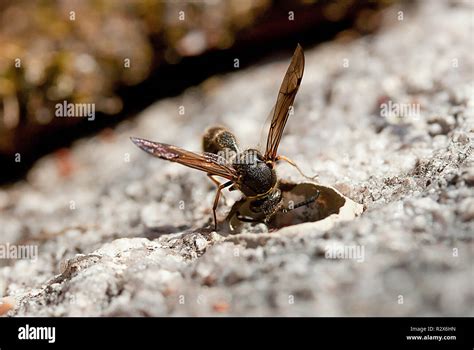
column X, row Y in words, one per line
column 123, row 234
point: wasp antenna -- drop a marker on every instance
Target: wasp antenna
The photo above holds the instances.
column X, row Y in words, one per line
column 292, row 163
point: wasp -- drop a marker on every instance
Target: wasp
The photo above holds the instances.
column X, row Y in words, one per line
column 250, row 171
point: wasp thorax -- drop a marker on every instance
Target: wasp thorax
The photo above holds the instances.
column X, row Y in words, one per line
column 257, row 177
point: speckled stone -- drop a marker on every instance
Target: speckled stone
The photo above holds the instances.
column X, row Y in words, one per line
column 125, row 233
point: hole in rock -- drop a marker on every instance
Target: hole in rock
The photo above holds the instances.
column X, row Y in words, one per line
column 328, row 202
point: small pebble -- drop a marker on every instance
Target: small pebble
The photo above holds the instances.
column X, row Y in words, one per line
column 6, row 304
column 466, row 209
column 468, row 177
column 201, row 243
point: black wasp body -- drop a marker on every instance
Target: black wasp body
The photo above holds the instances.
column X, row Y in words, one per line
column 250, row 171
column 257, row 178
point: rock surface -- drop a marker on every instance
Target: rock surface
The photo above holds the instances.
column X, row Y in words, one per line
column 124, row 234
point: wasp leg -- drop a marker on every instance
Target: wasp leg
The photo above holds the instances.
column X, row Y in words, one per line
column 217, row 183
column 216, row 200
column 300, row 204
column 289, row 161
column 280, row 209
column 272, row 213
column 213, row 179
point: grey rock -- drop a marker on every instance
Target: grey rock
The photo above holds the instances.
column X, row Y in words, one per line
column 127, row 234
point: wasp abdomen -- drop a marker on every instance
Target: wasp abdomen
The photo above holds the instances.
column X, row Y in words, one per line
column 218, row 139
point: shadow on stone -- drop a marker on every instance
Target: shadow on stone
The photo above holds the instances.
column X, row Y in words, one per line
column 328, row 202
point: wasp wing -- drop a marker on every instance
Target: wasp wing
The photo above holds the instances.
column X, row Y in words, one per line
column 209, row 162
column 286, row 96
